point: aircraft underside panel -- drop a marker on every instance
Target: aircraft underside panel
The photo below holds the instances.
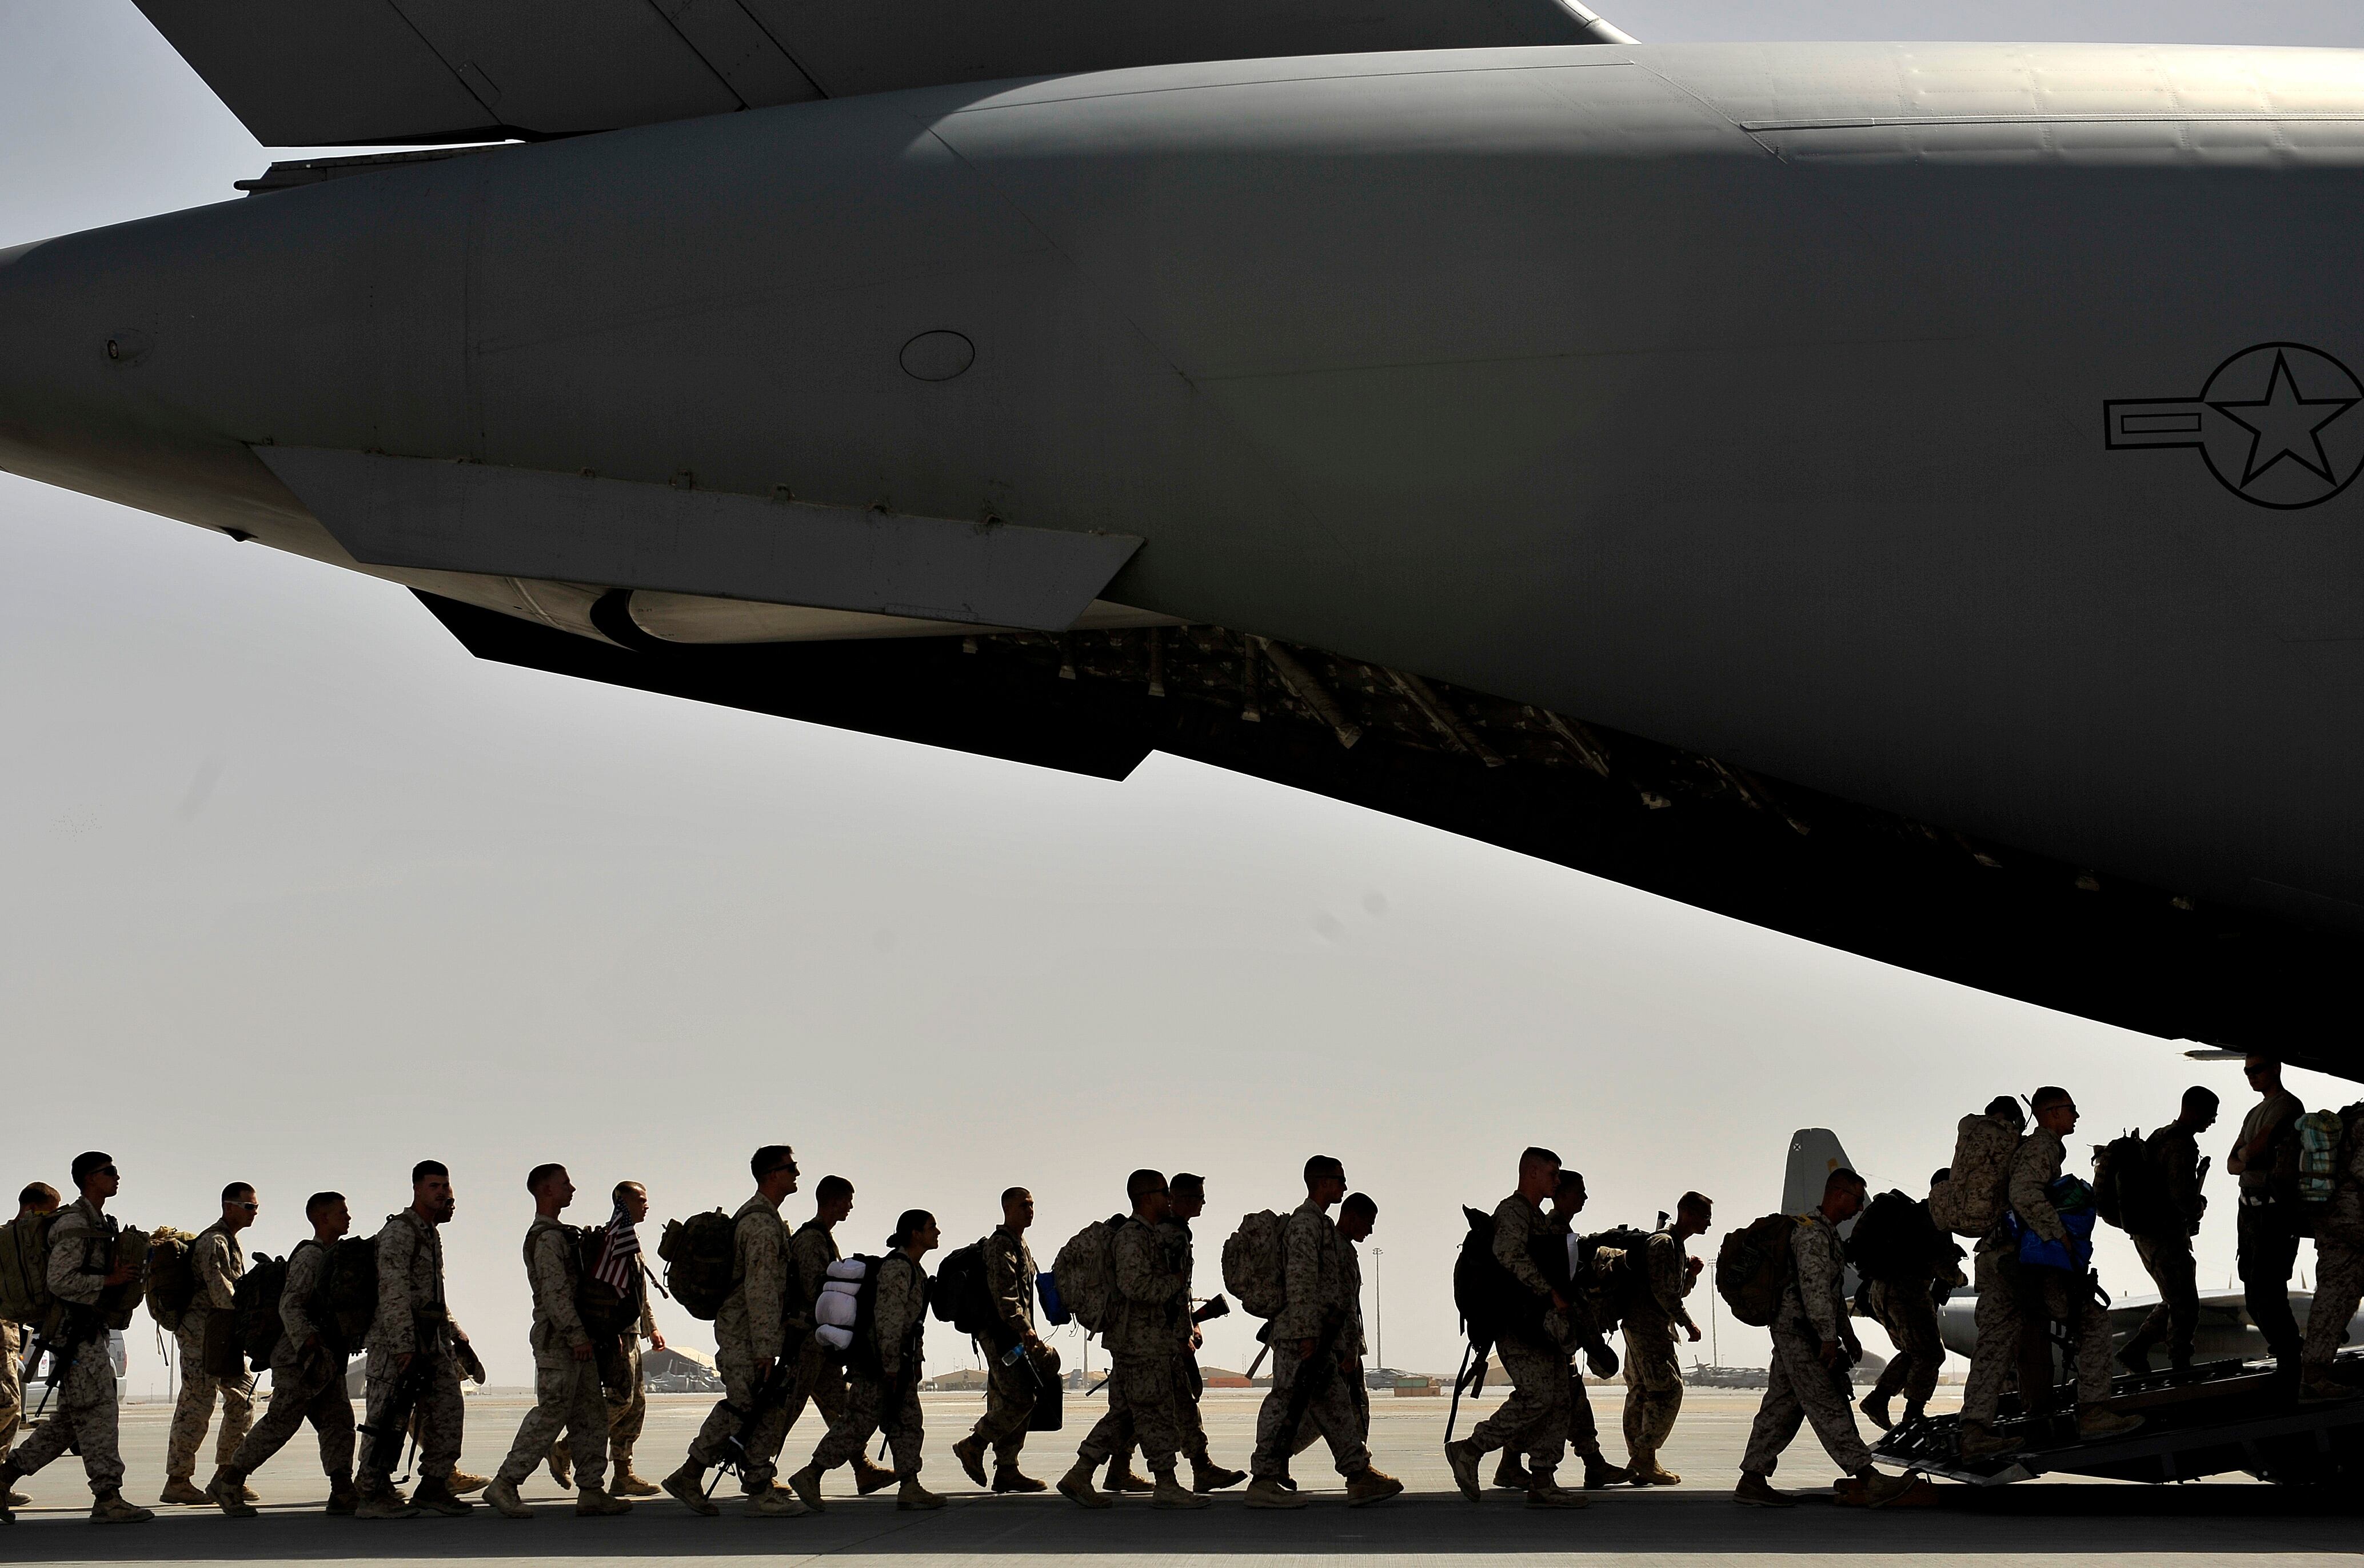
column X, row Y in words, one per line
column 305, row 72
column 1685, row 827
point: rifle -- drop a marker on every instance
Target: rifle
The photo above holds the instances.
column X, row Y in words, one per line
column 770, row 1395
column 393, row 1419
column 77, row 1325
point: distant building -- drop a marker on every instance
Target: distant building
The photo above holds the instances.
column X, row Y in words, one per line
column 967, row 1380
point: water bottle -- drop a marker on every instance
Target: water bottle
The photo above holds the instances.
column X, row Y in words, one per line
column 1017, row 1354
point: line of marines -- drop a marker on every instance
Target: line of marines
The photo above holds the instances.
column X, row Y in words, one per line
column 774, row 1356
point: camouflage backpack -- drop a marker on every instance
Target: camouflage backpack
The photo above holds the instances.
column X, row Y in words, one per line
column 1085, row 1272
column 346, row 1302
column 171, row 1277
column 1971, row 1199
column 1252, row 1267
column 1752, row 1269
column 701, row 1259
column 25, row 1269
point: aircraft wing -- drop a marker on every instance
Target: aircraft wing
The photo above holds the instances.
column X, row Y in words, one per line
column 299, row 72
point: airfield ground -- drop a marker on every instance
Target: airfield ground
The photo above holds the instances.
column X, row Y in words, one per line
column 2066, row 1524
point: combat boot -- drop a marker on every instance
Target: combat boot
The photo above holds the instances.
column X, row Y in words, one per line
column 688, row 1487
column 2134, row 1355
column 182, row 1490
column 227, row 1491
column 562, row 1466
column 1757, row 1492
column 1267, row 1492
column 1171, row 1494
column 1646, row 1470
column 595, row 1500
column 1599, row 1473
column 913, row 1496
column 1869, row 1489
column 435, row 1495
column 1076, row 1486
column 9, row 1496
column 1875, row 1410
column 2093, row 1424
column 1463, row 1456
column 1009, row 1478
column 623, row 1482
column 1510, row 1474
column 503, row 1496
column 1369, row 1485
column 384, row 1503
column 1980, row 1440
column 869, row 1477
column 342, row 1498
column 1543, row 1492
column 971, row 1454
column 1914, row 1414
column 806, row 1483
column 460, row 1483
column 1127, row 1479
column 109, row 1509
column 774, row 1503
column 1206, row 1475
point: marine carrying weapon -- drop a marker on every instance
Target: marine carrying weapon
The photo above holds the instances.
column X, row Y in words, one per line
column 392, row 1424
column 1313, row 1378
column 770, row 1395
column 69, row 1331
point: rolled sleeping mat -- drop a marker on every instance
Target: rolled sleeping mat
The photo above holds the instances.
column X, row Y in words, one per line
column 834, row 1310
column 848, row 1269
column 830, row 1334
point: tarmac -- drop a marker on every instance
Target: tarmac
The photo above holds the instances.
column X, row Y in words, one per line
column 2062, row 1523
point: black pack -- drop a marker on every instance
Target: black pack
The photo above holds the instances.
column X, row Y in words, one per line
column 346, row 1302
column 256, row 1303
column 606, row 1313
column 1493, row 1305
column 2128, row 1191
column 960, row 1296
column 862, row 1355
column 1611, row 1282
column 1895, row 1241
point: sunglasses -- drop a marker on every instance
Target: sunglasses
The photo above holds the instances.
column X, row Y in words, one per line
column 250, row 1207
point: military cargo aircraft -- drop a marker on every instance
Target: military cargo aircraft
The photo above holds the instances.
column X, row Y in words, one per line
column 1899, row 495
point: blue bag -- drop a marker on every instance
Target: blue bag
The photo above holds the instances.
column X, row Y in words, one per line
column 2073, row 1201
column 1055, row 1311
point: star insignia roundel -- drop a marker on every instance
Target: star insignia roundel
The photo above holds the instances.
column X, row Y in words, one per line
column 2277, row 425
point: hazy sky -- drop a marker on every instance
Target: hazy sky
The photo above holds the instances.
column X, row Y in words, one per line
column 292, row 891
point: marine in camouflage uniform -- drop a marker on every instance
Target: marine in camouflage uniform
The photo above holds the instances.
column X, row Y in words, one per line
column 820, row 1377
column 567, row 1386
column 1654, row 1374
column 412, row 1321
column 1322, row 1295
column 83, row 1411
column 2164, row 1243
column 1802, row 1386
column 216, row 1259
column 1148, row 1318
column 2339, row 1262
column 749, row 1330
column 885, row 1399
column 1534, row 1418
column 1009, row 1391
column 1995, row 1358
column 307, row 1383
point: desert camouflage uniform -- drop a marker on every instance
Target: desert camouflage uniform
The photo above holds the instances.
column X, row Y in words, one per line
column 1148, row 1318
column 412, row 1319
column 749, row 1330
column 216, row 1259
column 1534, row 1418
column 1800, row 1387
column 820, row 1376
column 566, row 1392
column 1189, row 1427
column 623, row 1388
column 1654, row 1374
column 2010, row 1294
column 2175, row 1155
column 1995, row 1355
column 891, row 1402
column 306, row 1384
column 1008, row 1390
column 83, row 1411
column 1321, row 1287
column 1907, row 1310
column 2338, row 1252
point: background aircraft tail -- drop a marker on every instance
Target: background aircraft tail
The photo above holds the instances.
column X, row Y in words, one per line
column 1814, row 1153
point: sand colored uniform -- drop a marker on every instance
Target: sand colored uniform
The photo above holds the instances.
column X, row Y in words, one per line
column 750, row 1329
column 307, row 1378
column 1322, row 1290
column 412, row 1319
column 887, row 1400
column 216, row 1259
column 83, row 1411
column 1798, row 1387
column 566, row 1391
column 1534, row 1418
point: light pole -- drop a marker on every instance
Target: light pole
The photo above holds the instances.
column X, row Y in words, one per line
column 1379, row 1304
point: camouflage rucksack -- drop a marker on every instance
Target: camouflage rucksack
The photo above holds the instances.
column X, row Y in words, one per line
column 1252, row 1269
column 1085, row 1272
column 1971, row 1199
column 1752, row 1269
column 25, row 1268
column 701, row 1259
column 346, row 1302
column 171, row 1277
